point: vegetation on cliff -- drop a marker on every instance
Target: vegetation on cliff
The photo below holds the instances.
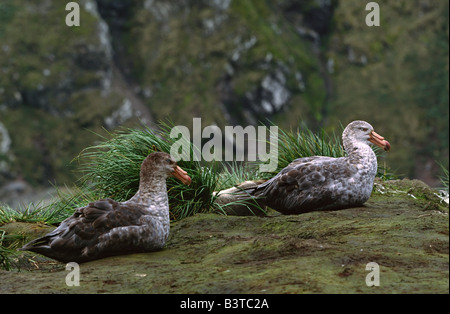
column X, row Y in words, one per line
column 228, row 62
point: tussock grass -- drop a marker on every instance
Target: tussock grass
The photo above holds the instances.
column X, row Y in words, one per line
column 33, row 213
column 305, row 143
column 235, row 172
column 111, row 169
column 8, row 249
column 444, row 178
column 47, row 214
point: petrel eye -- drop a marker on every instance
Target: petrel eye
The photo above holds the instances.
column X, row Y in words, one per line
column 169, row 161
column 364, row 129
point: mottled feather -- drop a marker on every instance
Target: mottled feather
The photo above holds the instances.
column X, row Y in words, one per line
column 106, row 227
column 323, row 183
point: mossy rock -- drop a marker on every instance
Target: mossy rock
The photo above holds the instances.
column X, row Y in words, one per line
column 317, row 252
column 430, row 199
column 29, row 231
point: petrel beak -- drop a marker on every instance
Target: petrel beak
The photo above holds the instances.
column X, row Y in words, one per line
column 378, row 140
column 181, row 175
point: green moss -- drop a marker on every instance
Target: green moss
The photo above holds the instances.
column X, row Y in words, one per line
column 183, row 62
column 318, row 252
column 48, row 90
column 405, row 76
column 54, row 142
column 7, row 12
column 187, row 65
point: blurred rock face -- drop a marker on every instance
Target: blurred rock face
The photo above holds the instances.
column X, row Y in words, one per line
column 229, row 62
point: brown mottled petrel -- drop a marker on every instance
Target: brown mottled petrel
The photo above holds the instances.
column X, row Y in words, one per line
column 324, row 183
column 106, row 227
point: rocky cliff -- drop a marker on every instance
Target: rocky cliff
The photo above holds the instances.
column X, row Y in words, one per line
column 229, row 62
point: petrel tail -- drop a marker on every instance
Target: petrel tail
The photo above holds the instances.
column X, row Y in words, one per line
column 40, row 245
column 241, row 200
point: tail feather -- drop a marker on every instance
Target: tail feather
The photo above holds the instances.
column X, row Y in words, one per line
column 40, row 245
column 241, row 200
column 41, row 242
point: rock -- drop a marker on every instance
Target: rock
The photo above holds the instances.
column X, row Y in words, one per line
column 231, row 62
column 416, row 189
column 5, row 154
column 61, row 84
column 29, row 231
column 19, row 194
column 317, row 252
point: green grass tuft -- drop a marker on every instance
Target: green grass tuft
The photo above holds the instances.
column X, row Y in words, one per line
column 444, row 178
column 113, row 166
column 35, row 213
column 305, row 143
column 111, row 170
column 8, row 249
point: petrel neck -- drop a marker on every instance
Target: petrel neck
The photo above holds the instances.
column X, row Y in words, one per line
column 359, row 152
column 152, row 191
column 362, row 156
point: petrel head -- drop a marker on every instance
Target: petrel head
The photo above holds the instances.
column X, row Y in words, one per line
column 363, row 131
column 165, row 163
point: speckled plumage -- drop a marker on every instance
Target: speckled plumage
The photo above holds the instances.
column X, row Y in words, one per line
column 106, row 227
column 326, row 183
